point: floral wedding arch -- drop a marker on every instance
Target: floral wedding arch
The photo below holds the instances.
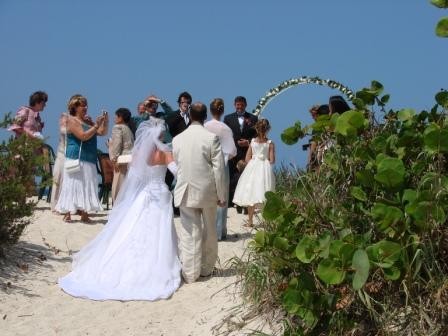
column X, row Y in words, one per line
column 282, row 87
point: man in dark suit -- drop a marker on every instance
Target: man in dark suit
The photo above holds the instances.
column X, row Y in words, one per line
column 178, row 122
column 242, row 125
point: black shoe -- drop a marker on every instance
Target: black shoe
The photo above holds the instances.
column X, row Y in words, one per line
column 176, row 212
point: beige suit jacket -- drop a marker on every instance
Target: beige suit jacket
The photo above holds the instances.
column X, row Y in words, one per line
column 200, row 162
column 121, row 142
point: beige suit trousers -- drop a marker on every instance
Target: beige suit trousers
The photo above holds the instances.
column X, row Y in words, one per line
column 118, row 180
column 198, row 243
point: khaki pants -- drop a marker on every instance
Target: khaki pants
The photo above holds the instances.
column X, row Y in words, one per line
column 118, row 180
column 198, row 244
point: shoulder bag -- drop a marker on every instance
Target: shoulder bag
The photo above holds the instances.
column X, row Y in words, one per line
column 72, row 165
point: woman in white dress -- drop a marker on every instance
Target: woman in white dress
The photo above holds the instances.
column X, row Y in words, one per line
column 58, row 168
column 135, row 256
column 229, row 150
column 258, row 176
column 79, row 192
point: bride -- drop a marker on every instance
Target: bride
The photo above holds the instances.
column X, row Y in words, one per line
column 135, row 256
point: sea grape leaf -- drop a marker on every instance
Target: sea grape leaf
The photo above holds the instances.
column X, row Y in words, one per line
column 361, row 265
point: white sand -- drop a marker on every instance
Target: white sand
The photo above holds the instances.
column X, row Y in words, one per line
column 31, row 303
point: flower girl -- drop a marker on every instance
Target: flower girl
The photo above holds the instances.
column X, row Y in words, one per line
column 258, row 176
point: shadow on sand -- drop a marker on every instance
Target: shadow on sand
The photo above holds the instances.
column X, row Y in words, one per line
column 23, row 260
column 238, row 236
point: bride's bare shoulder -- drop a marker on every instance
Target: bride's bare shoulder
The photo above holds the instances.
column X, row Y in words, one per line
column 161, row 158
column 156, row 158
column 168, row 157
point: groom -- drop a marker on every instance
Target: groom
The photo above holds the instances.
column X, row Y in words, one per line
column 242, row 125
column 199, row 188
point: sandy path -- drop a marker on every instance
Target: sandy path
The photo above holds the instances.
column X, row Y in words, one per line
column 31, row 303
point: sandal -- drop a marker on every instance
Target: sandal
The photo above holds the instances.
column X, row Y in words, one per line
column 85, row 218
column 67, row 218
column 249, row 225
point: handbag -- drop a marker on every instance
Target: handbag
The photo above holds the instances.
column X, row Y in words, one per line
column 124, row 159
column 72, row 165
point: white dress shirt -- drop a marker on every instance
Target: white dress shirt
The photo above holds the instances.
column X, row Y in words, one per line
column 185, row 116
column 241, row 120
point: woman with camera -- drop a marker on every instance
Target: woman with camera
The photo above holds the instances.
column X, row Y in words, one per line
column 79, row 184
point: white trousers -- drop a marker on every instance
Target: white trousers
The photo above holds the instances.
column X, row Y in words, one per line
column 198, row 244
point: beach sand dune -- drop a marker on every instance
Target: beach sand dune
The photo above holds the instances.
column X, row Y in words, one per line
column 31, row 303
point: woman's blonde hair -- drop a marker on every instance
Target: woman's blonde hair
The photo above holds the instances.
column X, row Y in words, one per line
column 75, row 101
column 262, row 127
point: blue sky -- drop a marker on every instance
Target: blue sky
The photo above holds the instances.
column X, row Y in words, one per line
column 118, row 52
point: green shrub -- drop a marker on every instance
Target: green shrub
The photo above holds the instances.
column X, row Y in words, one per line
column 442, row 25
column 359, row 246
column 19, row 163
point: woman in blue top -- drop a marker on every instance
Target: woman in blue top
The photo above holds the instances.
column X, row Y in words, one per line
column 79, row 189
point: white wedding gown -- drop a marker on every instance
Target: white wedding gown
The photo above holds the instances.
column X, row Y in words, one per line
column 135, row 256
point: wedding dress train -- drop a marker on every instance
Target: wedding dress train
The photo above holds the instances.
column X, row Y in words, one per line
column 135, row 256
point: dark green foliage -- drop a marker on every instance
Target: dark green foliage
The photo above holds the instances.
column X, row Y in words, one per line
column 19, row 162
column 442, row 25
column 292, row 134
column 440, row 3
column 360, row 246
